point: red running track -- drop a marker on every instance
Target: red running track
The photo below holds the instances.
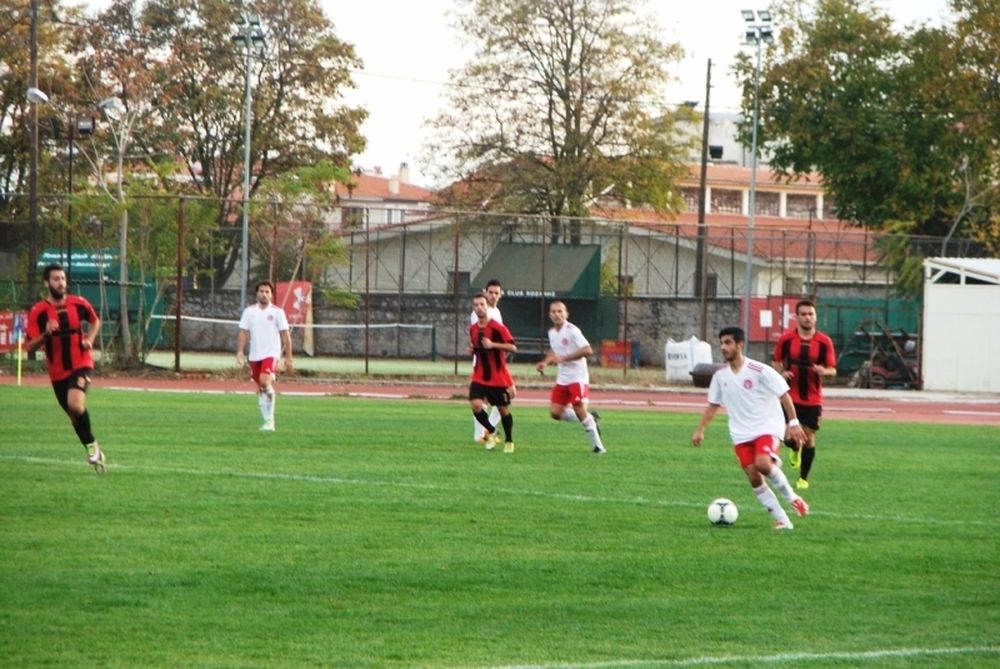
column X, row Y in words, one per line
column 840, row 403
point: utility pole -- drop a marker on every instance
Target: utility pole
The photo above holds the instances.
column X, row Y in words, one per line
column 701, row 263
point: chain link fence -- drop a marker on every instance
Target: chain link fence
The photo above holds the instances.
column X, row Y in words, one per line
column 625, row 278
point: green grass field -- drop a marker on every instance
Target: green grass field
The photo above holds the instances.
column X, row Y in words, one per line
column 374, row 534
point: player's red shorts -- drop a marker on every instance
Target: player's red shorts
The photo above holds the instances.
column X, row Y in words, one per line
column 265, row 366
column 749, row 450
column 574, row 393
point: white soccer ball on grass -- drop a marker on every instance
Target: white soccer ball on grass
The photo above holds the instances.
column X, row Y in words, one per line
column 722, row 511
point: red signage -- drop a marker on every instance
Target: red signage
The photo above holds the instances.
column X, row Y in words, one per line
column 770, row 316
column 295, row 297
column 12, row 325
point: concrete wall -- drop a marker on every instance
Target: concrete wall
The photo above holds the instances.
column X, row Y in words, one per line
column 651, row 322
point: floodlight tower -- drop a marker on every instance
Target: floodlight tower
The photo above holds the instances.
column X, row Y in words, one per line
column 759, row 29
column 252, row 38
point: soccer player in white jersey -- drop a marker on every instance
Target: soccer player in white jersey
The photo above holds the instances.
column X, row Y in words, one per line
column 493, row 293
column 266, row 327
column 568, row 349
column 754, row 395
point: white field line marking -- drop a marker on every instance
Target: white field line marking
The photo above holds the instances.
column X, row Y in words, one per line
column 777, row 658
column 178, row 391
column 960, row 412
column 582, row 498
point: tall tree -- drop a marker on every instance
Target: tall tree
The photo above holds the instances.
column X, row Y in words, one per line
column 900, row 124
column 976, row 45
column 298, row 82
column 116, row 67
column 15, row 113
column 561, row 102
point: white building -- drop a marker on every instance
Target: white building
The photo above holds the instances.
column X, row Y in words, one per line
column 961, row 325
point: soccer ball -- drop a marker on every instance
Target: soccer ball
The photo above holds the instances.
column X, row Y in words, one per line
column 722, row 512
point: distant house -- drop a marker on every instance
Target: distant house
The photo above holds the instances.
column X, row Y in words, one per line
column 798, row 241
column 379, row 200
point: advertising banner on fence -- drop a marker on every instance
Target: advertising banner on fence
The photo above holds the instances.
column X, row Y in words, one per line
column 295, row 297
column 12, row 324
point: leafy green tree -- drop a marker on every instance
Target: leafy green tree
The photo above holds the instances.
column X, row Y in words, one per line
column 298, row 115
column 290, row 229
column 15, row 116
column 902, row 126
column 115, row 73
column 560, row 104
column 976, row 45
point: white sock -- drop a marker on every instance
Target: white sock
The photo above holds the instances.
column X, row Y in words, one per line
column 494, row 416
column 267, row 403
column 569, row 415
column 769, row 501
column 780, row 483
column 590, row 427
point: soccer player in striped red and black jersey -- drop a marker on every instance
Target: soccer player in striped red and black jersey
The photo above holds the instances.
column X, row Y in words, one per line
column 492, row 383
column 804, row 355
column 66, row 326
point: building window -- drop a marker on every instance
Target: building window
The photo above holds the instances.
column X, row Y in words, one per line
column 829, row 207
column 798, row 205
column 690, row 196
column 726, row 201
column 768, row 204
column 353, row 218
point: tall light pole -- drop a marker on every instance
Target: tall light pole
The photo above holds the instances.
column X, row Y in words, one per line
column 120, row 122
column 80, row 126
column 758, row 31
column 253, row 39
column 34, row 97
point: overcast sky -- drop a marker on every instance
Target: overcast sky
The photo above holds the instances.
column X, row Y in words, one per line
column 409, row 46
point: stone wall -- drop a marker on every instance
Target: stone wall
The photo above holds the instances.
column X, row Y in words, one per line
column 651, row 322
column 435, row 312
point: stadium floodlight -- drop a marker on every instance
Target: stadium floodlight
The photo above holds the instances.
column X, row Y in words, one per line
column 37, row 96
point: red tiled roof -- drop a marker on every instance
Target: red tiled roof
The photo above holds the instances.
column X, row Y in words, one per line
column 774, row 237
column 376, row 187
column 738, row 175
